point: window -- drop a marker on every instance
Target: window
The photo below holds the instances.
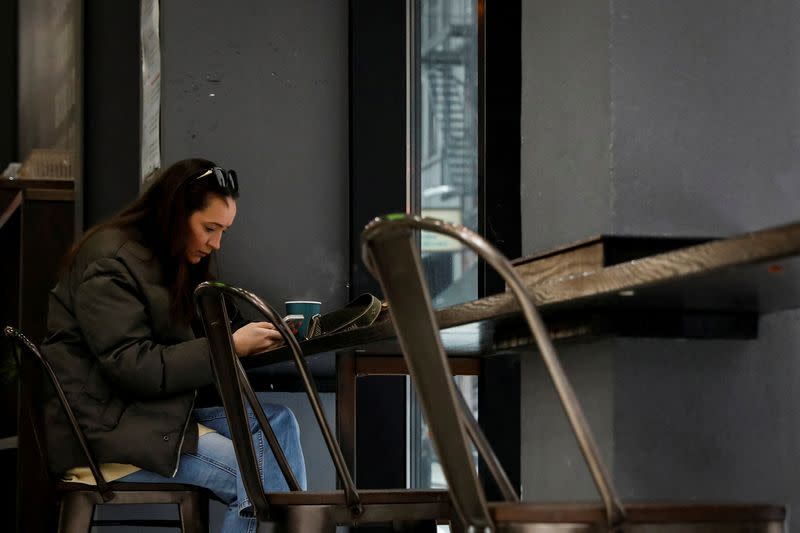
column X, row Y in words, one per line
column 446, row 114
column 447, row 118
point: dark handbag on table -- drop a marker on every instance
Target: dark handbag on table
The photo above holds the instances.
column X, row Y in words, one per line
column 358, row 313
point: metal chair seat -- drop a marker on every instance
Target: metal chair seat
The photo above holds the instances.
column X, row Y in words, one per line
column 640, row 515
column 78, row 501
column 117, row 486
column 368, row 497
column 418, row 509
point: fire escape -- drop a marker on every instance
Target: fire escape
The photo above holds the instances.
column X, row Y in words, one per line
column 448, row 61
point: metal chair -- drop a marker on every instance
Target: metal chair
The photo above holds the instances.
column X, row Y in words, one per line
column 77, row 501
column 299, row 511
column 390, row 252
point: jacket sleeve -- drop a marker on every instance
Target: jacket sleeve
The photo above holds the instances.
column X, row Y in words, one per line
column 115, row 324
column 235, row 316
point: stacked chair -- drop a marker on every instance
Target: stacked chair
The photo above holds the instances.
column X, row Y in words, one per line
column 77, row 501
column 299, row 511
column 390, row 252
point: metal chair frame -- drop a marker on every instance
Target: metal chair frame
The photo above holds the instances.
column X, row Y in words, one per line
column 298, row 511
column 78, row 500
column 390, row 252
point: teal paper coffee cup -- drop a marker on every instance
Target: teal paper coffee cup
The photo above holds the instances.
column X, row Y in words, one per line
column 306, row 308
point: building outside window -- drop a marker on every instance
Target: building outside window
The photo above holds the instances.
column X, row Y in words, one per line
column 446, row 117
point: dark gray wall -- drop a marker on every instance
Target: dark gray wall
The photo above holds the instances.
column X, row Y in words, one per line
column 565, row 122
column 700, row 131
column 551, row 466
column 278, row 115
column 710, row 420
column 706, row 115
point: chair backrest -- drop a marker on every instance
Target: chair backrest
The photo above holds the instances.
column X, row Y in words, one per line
column 24, row 348
column 390, row 252
column 234, row 389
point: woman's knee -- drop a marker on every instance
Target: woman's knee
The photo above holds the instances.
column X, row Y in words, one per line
column 282, row 419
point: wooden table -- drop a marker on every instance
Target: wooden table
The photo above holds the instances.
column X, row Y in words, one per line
column 698, row 290
column 623, row 286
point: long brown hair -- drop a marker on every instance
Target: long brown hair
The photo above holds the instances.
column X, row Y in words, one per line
column 161, row 217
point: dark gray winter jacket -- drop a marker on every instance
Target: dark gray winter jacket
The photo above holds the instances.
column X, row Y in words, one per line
column 129, row 372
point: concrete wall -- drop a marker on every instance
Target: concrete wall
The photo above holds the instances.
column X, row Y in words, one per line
column 551, row 466
column 565, row 122
column 261, row 87
column 706, row 118
column 700, row 131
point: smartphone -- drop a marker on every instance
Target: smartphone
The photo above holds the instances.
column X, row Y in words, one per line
column 294, row 322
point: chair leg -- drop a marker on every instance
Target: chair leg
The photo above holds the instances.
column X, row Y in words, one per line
column 307, row 519
column 76, row 512
column 193, row 510
column 346, row 409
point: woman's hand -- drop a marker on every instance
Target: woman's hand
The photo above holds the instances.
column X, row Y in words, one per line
column 255, row 337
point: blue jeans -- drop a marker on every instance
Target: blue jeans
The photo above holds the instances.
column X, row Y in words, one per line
column 214, row 465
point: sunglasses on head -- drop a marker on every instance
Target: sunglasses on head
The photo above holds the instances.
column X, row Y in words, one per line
column 225, row 178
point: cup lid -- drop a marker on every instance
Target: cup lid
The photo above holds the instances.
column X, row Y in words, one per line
column 302, row 302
